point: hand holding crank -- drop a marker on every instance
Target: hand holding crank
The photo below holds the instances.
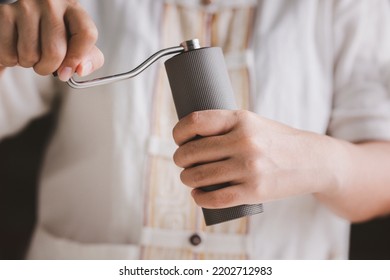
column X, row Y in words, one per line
column 49, row 36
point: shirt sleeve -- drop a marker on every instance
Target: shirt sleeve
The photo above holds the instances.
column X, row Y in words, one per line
column 361, row 104
column 24, row 96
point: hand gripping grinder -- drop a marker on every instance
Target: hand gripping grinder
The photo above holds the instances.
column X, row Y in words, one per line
column 199, row 81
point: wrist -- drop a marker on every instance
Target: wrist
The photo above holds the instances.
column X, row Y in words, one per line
column 323, row 162
column 335, row 158
column 309, row 165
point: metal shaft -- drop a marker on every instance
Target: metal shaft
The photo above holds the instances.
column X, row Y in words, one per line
column 127, row 75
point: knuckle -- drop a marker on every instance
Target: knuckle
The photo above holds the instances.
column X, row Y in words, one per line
column 222, row 199
column 54, row 53
column 252, row 165
column 241, row 114
column 71, row 61
column 89, row 33
column 197, row 178
column 181, row 158
column 8, row 61
column 50, row 6
column 245, row 119
column 58, row 27
column 191, row 148
column 177, row 159
column 40, row 69
column 185, row 178
column 50, row 3
column 184, row 155
column 175, row 134
column 6, row 15
column 28, row 58
column 28, row 53
column 193, row 118
column 70, row 3
column 259, row 194
column 249, row 143
column 25, row 8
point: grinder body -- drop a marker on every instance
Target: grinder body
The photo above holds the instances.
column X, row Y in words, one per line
column 199, row 81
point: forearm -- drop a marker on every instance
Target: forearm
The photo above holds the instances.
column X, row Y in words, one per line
column 362, row 173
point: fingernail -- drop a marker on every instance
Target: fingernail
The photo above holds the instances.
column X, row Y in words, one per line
column 86, row 68
column 65, row 74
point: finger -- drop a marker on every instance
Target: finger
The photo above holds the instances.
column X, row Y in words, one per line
column 230, row 196
column 28, row 34
column 203, row 150
column 93, row 61
column 8, row 37
column 53, row 41
column 210, row 174
column 203, row 123
column 82, row 38
column 1, row 70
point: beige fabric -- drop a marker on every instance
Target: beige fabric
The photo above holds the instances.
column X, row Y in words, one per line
column 168, row 204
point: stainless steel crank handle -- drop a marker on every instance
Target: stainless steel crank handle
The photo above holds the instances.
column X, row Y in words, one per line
column 127, row 75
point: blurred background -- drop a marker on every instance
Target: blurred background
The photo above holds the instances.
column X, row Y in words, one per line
column 20, row 160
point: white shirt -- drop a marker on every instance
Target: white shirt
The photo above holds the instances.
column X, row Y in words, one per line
column 109, row 188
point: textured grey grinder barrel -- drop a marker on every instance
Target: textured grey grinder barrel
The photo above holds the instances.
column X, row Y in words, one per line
column 199, row 81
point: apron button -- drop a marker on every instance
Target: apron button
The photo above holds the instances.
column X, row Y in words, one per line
column 195, row 239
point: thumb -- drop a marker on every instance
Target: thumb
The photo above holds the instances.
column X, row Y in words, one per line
column 82, row 35
column 93, row 61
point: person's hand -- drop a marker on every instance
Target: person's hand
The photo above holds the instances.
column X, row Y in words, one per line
column 49, row 36
column 262, row 160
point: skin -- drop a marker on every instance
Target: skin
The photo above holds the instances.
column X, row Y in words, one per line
column 262, row 160
column 49, row 36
